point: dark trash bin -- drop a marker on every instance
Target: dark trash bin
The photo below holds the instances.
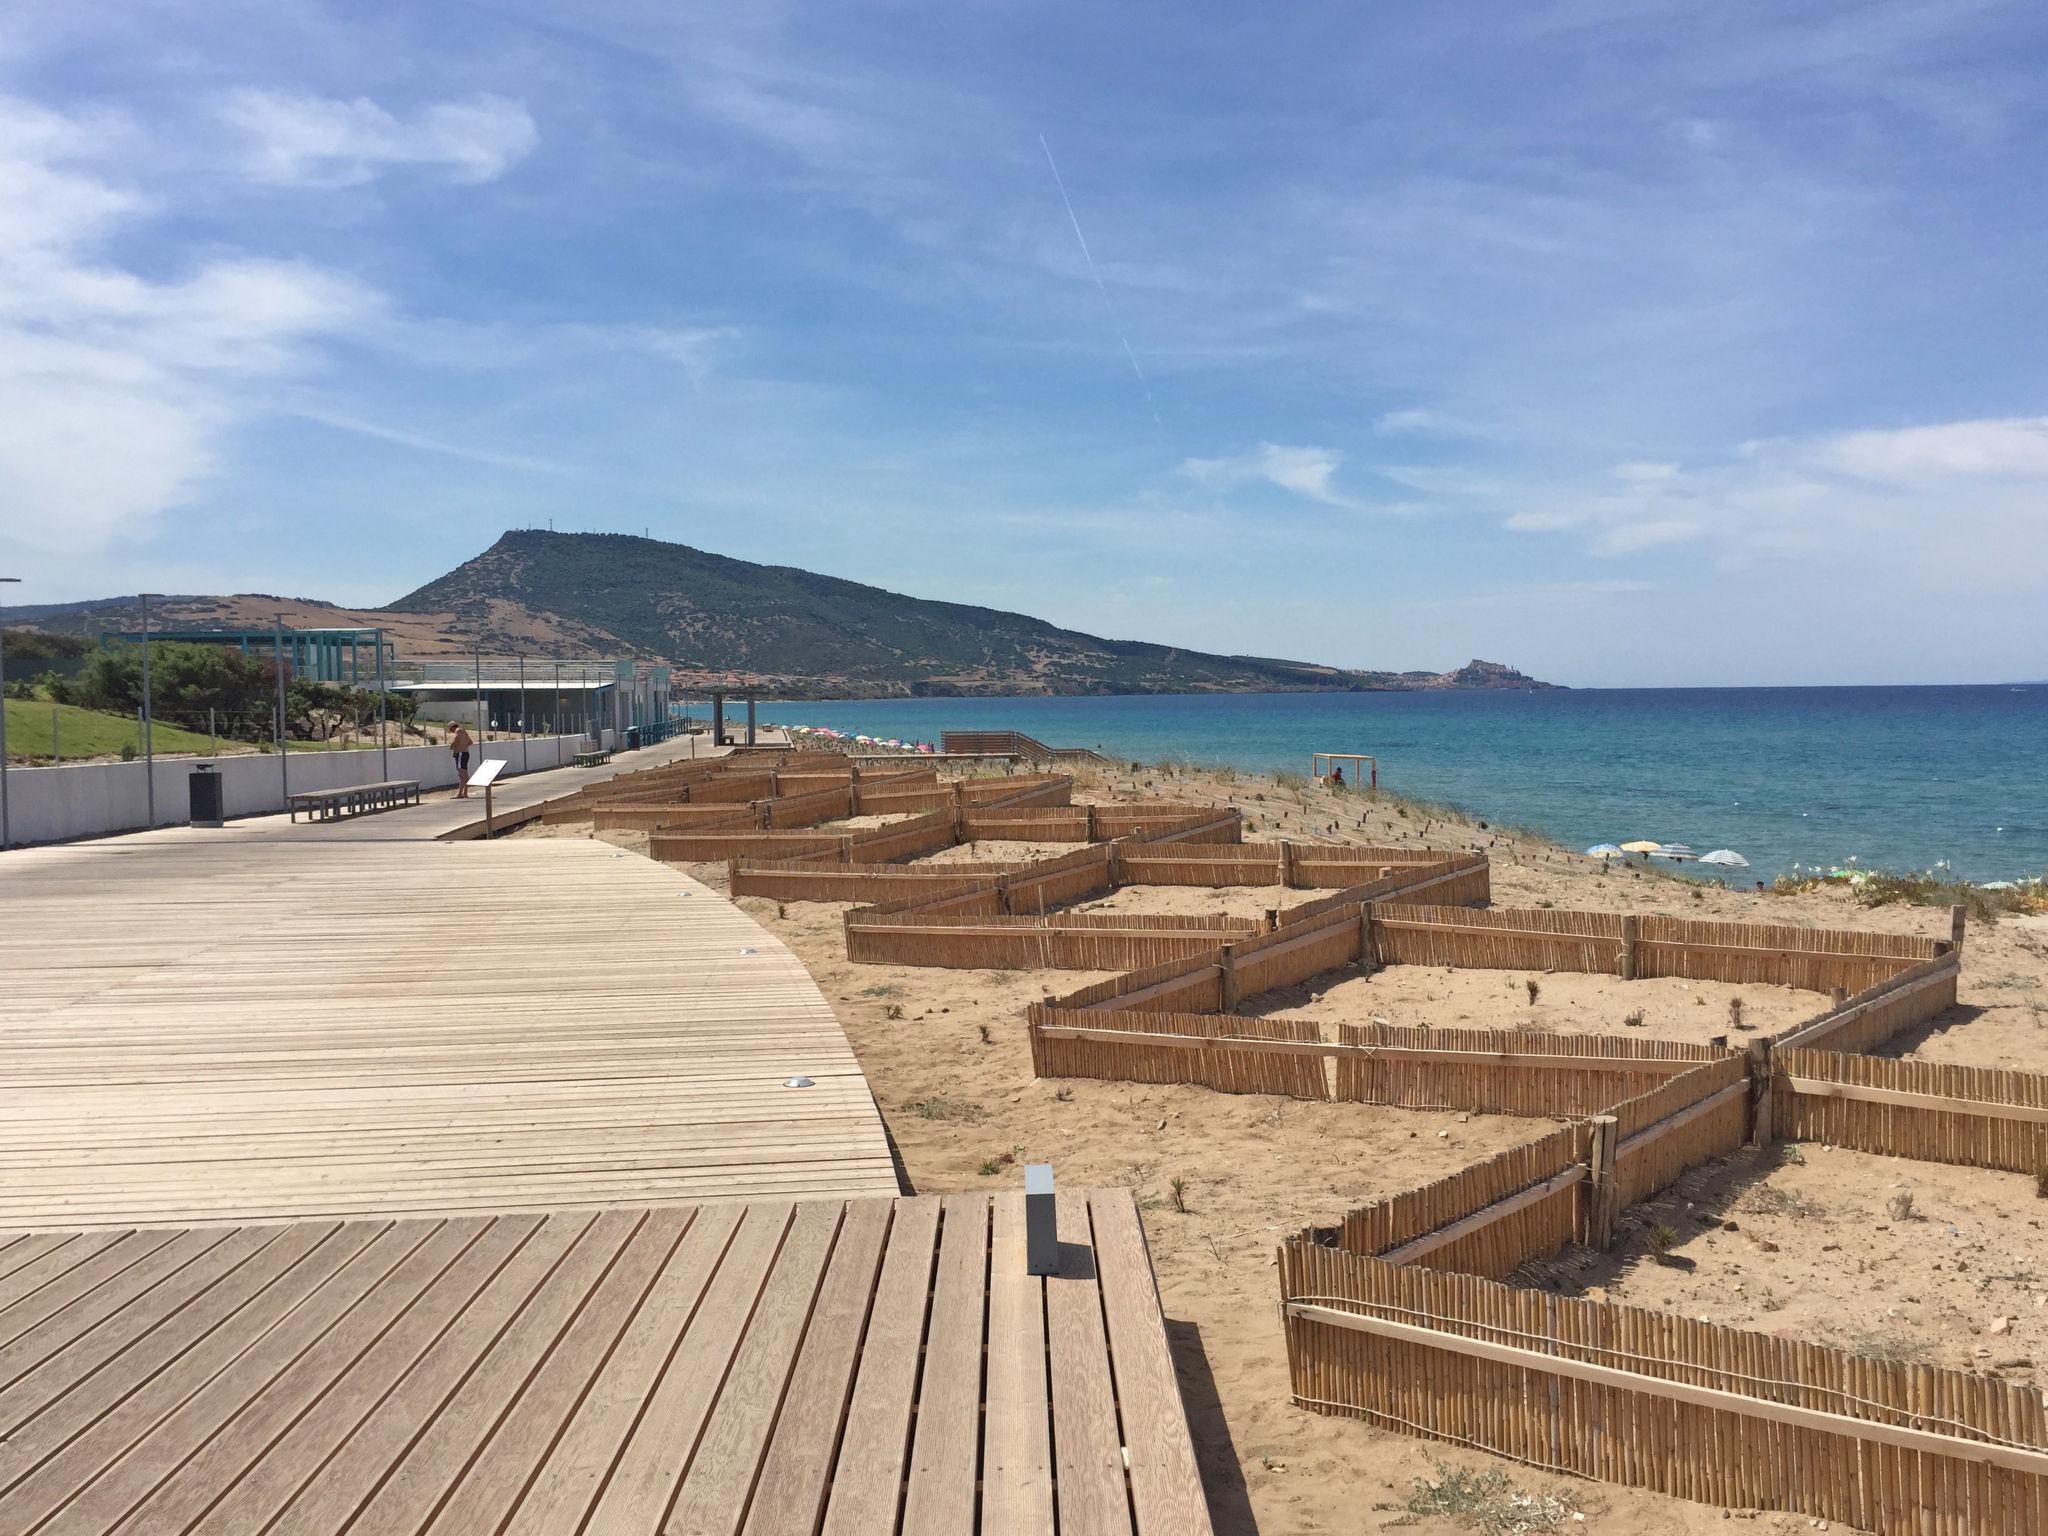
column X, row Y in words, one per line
column 632, row 738
column 208, row 801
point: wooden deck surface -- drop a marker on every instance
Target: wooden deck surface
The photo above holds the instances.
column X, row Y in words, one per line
column 230, row 1026
column 865, row 1366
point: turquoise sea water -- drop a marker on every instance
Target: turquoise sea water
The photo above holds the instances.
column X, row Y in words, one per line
column 1898, row 778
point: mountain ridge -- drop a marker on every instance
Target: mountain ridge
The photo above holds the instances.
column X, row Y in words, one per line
column 790, row 631
column 712, row 615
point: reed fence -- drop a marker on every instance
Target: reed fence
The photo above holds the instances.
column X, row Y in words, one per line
column 1631, row 947
column 1651, row 1399
column 1221, row 1066
column 878, row 845
column 1938, row 1112
column 1484, row 1071
column 1692, row 1118
column 967, row 932
column 1489, row 1218
column 1866, row 1021
column 1504, row 1072
column 813, row 880
column 1018, row 789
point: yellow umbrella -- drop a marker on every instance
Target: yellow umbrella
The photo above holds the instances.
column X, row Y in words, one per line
column 1641, row 845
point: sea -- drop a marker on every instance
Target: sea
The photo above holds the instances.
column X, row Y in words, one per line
column 1902, row 779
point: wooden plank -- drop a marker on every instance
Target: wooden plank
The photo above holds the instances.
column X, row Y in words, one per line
column 655, row 1461
column 1087, row 1446
column 461, row 1428
column 211, row 991
column 331, row 1499
column 293, row 1424
column 1166, row 1482
column 790, row 1495
column 714, row 1497
column 312, row 1446
column 946, row 1450
column 1016, row 1440
column 575, row 1474
column 101, row 1422
column 867, row 1488
column 1821, row 1088
column 1956, row 1447
column 520, row 1442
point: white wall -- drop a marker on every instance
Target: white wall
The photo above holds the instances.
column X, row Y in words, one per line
column 47, row 805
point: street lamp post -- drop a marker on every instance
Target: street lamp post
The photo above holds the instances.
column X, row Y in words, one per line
column 284, row 772
column 148, row 712
column 383, row 746
column 6, row 831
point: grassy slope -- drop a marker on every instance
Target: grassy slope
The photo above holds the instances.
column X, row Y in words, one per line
column 84, row 733
column 87, row 733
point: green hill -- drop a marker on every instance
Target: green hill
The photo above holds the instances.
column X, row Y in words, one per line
column 708, row 613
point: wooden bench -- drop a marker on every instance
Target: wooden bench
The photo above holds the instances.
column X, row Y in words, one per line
column 353, row 799
column 590, row 759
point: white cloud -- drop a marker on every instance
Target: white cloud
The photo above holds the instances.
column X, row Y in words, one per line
column 1422, row 421
column 298, row 139
column 2011, row 448
column 115, row 388
column 1307, row 472
column 1885, row 511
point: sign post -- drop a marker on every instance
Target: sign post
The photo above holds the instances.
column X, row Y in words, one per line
column 486, row 774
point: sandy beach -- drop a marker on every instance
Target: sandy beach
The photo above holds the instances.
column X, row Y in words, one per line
column 1223, row 1177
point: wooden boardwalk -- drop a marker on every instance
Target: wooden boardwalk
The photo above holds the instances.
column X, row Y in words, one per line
column 220, row 1026
column 718, row 1369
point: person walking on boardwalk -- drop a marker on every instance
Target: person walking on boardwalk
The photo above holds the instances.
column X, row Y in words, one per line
column 459, row 744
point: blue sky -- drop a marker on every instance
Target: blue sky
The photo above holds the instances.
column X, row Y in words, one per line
column 1631, row 343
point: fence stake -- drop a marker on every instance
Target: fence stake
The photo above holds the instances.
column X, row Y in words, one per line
column 1955, row 926
column 1286, row 865
column 1761, row 1071
column 1631, row 930
column 1368, row 942
column 1228, row 962
column 1601, row 1189
column 56, row 750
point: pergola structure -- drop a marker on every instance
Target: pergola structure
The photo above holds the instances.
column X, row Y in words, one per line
column 1363, row 766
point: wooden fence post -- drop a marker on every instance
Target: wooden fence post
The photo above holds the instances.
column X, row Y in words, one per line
column 1368, row 942
column 1601, row 1190
column 1286, row 865
column 1955, row 927
column 1631, row 930
column 846, row 850
column 1760, row 1073
column 1091, row 825
column 1228, row 962
column 1272, row 920
column 1116, row 864
column 1003, row 894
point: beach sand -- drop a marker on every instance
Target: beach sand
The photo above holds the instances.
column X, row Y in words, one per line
column 945, row 1052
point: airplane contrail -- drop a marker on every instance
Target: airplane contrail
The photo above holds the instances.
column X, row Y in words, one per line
column 1100, row 287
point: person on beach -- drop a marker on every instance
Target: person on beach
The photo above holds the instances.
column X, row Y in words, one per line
column 1337, row 777
column 459, row 744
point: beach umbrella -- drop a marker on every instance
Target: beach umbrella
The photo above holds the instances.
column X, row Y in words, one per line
column 1998, row 885
column 1641, row 845
column 1602, row 851
column 1726, row 856
column 1671, row 851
